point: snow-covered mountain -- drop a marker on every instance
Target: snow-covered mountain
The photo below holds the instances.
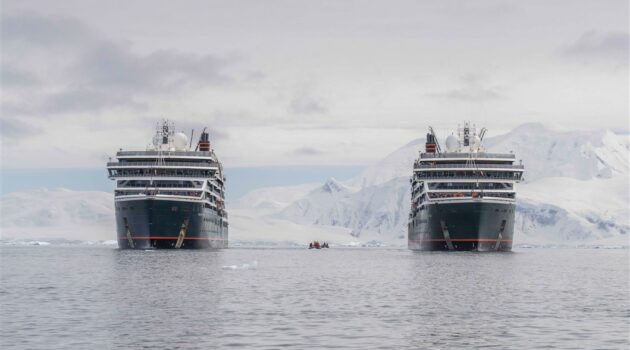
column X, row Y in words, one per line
column 396, row 164
column 582, row 155
column 576, row 189
column 58, row 214
column 40, row 216
column 272, row 199
column 380, row 208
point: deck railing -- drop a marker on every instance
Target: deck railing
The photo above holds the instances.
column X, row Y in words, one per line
column 164, row 164
column 468, row 166
column 471, row 178
column 199, row 176
column 468, row 155
column 164, row 153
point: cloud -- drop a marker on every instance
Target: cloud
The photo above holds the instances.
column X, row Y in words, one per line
column 216, row 134
column 89, row 99
column 303, row 104
column 306, row 151
column 92, row 73
column 14, row 129
column 11, row 76
column 603, row 44
column 470, row 94
column 30, row 29
column 473, row 89
column 111, row 65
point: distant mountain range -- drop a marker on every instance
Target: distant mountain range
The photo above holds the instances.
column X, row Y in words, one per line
column 575, row 192
column 59, row 213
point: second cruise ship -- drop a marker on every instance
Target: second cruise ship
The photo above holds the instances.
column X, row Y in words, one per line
column 170, row 195
column 462, row 198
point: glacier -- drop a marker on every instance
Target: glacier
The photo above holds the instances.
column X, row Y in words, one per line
column 575, row 190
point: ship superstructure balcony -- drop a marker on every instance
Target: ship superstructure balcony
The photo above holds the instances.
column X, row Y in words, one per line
column 478, row 175
column 459, row 155
column 163, row 164
column 457, row 176
column 208, row 155
column 171, row 174
column 471, row 165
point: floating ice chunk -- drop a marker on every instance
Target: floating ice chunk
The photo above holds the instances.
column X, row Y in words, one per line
column 23, row 242
column 246, row 266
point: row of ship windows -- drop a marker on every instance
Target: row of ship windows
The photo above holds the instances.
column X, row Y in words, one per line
column 473, row 195
column 463, row 162
column 470, row 185
column 174, row 208
column 469, row 174
column 153, row 192
column 422, row 207
column 160, row 183
column 166, row 161
column 193, row 209
column 465, row 195
column 161, row 172
column 464, row 186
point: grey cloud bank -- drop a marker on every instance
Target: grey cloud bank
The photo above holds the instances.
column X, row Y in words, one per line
column 353, row 78
column 610, row 44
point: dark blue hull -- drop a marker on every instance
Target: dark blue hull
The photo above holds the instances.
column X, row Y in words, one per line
column 169, row 224
column 477, row 226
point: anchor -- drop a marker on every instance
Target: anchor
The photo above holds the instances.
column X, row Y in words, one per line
column 498, row 243
column 182, row 234
column 447, row 236
column 129, row 238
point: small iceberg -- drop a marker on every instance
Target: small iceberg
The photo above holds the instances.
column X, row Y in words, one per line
column 247, row 266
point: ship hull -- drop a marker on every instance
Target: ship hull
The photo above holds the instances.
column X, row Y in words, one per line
column 168, row 224
column 465, row 226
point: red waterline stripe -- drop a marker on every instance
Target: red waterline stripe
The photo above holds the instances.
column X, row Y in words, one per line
column 124, row 238
column 476, row 240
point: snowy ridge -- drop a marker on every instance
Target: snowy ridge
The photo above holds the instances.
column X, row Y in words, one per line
column 396, row 164
column 272, row 199
column 576, row 189
column 576, row 192
column 576, row 154
column 58, row 213
column 381, row 208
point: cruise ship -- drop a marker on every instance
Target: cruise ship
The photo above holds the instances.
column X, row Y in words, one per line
column 462, row 198
column 170, row 195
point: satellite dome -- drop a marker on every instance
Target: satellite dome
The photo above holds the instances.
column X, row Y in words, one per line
column 451, row 143
column 180, row 141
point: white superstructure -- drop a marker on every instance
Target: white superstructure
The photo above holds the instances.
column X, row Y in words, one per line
column 170, row 170
column 464, row 172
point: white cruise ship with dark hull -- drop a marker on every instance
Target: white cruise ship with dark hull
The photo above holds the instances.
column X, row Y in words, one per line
column 171, row 195
column 463, row 198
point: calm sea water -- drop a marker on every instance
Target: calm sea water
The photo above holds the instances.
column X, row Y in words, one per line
column 102, row 297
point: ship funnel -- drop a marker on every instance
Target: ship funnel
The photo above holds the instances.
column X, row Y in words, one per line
column 204, row 142
column 430, row 146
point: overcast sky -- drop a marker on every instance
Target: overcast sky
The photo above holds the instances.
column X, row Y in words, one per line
column 300, row 82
